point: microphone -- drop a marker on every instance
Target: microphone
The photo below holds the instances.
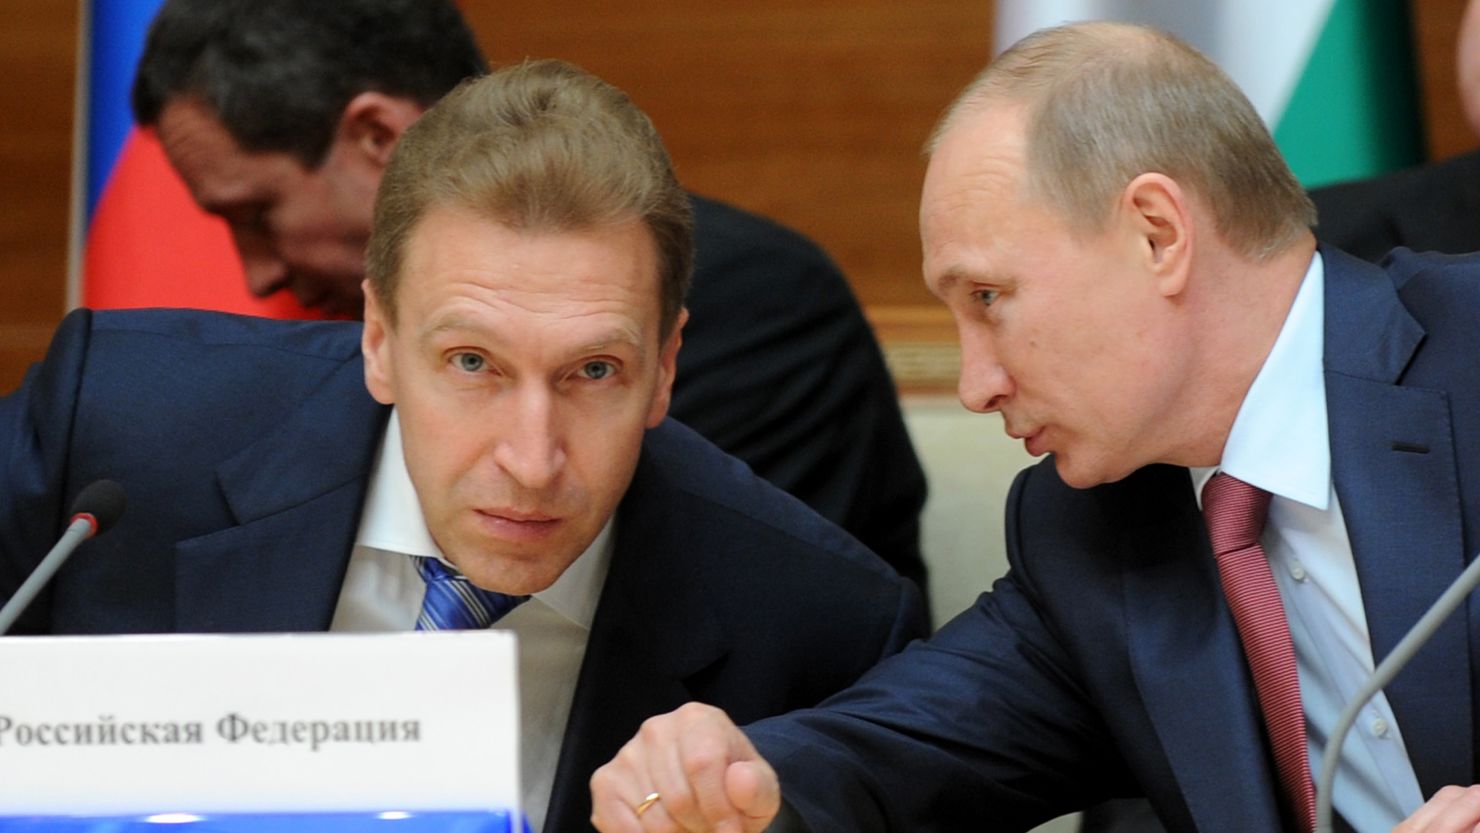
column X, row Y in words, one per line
column 95, row 510
column 1386, row 670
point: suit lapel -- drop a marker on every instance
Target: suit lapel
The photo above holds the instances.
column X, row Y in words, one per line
column 1185, row 655
column 653, row 632
column 296, row 497
column 1393, row 463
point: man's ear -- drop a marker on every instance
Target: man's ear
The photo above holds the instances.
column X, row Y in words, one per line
column 667, row 370
column 372, row 123
column 1158, row 213
column 380, row 376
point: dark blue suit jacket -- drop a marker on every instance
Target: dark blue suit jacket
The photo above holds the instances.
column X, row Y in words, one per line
column 245, row 446
column 1106, row 662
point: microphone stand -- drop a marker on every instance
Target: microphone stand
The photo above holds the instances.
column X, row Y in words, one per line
column 1386, row 670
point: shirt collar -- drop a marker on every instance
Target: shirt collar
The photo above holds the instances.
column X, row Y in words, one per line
column 392, row 520
column 1280, row 441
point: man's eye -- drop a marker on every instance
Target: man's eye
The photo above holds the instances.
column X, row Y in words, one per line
column 597, row 370
column 469, row 362
column 985, row 297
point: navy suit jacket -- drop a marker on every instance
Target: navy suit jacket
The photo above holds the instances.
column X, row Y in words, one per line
column 1106, row 662
column 245, row 445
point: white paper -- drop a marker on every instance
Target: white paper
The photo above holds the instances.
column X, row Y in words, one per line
column 275, row 723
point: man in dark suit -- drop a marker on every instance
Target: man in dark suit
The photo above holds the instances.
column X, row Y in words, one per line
column 524, row 312
column 280, row 116
column 1131, row 267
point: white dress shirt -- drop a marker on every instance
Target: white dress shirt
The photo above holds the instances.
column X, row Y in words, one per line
column 382, row 591
column 1280, row 442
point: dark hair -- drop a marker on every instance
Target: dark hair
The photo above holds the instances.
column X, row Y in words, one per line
column 278, row 73
column 541, row 146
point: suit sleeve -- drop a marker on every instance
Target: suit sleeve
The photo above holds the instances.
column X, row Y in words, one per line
column 1356, row 217
column 910, row 622
column 35, row 425
column 1428, row 208
column 984, row 726
column 780, row 368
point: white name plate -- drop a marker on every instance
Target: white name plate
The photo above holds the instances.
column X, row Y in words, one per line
column 279, row 723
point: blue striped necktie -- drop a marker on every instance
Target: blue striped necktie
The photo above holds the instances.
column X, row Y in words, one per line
column 453, row 603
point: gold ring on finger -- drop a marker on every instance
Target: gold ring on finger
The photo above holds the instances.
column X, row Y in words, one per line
column 647, row 801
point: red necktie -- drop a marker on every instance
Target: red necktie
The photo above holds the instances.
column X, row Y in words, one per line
column 1235, row 513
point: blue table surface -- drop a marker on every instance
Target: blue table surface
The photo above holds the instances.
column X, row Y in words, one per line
column 381, row 822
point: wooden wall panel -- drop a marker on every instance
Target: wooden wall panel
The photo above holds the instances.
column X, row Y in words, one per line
column 1434, row 25
column 37, row 57
column 809, row 111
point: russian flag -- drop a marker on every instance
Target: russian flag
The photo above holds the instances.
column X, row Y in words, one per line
column 138, row 238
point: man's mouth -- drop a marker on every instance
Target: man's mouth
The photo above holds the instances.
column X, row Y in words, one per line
column 517, row 524
column 1033, row 440
column 522, row 516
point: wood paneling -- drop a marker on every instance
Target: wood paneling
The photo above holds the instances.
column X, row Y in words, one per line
column 1434, row 25
column 810, row 111
column 37, row 57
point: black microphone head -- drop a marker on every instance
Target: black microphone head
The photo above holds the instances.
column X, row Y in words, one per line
column 103, row 500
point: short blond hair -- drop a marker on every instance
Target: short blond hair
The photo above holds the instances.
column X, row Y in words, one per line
column 1108, row 102
column 541, row 146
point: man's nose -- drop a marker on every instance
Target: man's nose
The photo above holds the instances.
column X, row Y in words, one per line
column 984, row 384
column 266, row 273
column 530, row 449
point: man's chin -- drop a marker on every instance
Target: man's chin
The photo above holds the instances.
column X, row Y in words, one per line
column 518, row 574
column 1077, row 475
column 507, row 555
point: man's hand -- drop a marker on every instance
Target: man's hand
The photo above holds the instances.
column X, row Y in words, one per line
column 1451, row 810
column 708, row 777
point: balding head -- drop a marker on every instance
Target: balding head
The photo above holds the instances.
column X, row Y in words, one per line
column 1107, row 102
column 1118, row 241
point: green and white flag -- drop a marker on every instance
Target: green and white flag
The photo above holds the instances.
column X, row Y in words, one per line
column 1334, row 79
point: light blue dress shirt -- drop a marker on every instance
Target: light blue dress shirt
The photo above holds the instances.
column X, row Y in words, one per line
column 1280, row 442
column 382, row 591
